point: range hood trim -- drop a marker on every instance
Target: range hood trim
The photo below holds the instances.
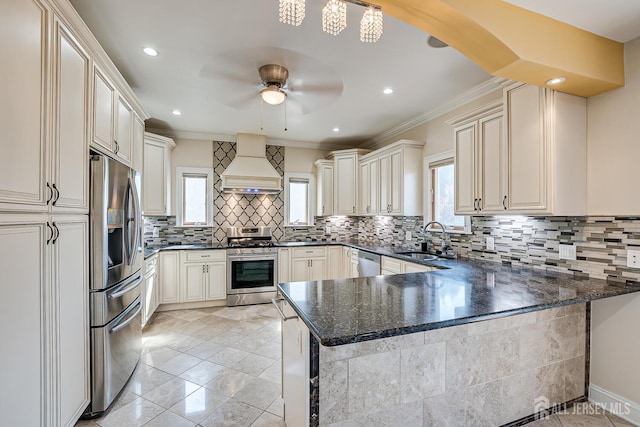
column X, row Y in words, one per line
column 250, row 172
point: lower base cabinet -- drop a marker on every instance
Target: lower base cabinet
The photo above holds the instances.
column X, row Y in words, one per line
column 295, row 369
column 150, row 289
column 44, row 319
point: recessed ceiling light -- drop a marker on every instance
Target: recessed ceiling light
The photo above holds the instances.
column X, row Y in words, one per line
column 556, row 81
column 150, row 51
column 336, row 129
column 388, row 91
column 176, row 113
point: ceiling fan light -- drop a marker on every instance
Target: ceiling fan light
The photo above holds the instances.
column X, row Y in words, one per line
column 371, row 25
column 273, row 95
column 334, row 17
column 292, row 11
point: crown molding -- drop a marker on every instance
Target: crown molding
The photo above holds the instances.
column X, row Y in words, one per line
column 492, row 85
column 206, row 136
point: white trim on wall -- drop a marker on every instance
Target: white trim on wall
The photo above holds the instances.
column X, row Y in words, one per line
column 180, row 171
column 310, row 178
column 615, row 404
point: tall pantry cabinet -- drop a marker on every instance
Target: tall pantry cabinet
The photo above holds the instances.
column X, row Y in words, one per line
column 44, row 202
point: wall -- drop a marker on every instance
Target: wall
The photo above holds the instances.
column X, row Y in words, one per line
column 301, row 160
column 613, row 148
column 188, row 153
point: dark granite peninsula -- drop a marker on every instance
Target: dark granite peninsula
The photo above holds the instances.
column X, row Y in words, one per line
column 474, row 343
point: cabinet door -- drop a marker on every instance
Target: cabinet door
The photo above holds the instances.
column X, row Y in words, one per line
column 216, row 280
column 334, row 264
column 137, row 141
column 385, row 184
column 23, row 49
column 23, row 322
column 396, row 186
column 295, row 369
column 374, row 187
column 154, row 180
column 70, row 272
column 193, row 282
column 465, row 169
column 300, row 269
column 412, row 267
column 364, row 192
column 169, row 285
column 283, row 265
column 327, row 190
column 318, row 269
column 123, row 141
column 103, row 94
column 491, row 169
column 70, row 137
column 346, row 261
column 345, row 179
column 527, row 151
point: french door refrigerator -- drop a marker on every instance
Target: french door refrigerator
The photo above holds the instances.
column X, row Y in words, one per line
column 115, row 279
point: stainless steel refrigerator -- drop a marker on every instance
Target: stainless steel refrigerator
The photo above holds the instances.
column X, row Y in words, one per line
column 116, row 276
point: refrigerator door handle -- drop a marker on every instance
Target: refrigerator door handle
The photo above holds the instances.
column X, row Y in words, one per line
column 120, row 324
column 137, row 219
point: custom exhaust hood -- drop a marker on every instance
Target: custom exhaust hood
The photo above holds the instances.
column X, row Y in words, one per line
column 250, row 172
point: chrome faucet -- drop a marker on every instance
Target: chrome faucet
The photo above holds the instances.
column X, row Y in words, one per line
column 445, row 245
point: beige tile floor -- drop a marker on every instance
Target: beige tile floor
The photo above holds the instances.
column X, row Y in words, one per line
column 221, row 367
column 204, row 367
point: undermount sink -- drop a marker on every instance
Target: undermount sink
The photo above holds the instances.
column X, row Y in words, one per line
column 424, row 256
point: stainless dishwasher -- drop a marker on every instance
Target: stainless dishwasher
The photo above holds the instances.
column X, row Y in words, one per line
column 368, row 264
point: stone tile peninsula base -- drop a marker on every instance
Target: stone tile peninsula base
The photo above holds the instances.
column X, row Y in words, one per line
column 485, row 373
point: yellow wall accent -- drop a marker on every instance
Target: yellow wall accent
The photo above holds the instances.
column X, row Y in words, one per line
column 512, row 42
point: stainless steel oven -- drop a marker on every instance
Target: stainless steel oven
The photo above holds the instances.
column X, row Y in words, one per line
column 251, row 275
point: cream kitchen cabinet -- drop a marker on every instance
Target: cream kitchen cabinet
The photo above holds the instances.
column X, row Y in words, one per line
column 390, row 265
column 345, row 178
column 400, row 178
column 156, row 175
column 169, row 284
column 355, row 269
column 412, row 267
column 150, row 288
column 308, row 263
column 124, row 130
column 346, row 261
column 324, row 187
column 203, row 275
column 283, row 265
column 546, row 154
column 334, row 264
column 137, row 141
column 480, row 156
column 47, row 256
column 42, row 173
column 369, row 186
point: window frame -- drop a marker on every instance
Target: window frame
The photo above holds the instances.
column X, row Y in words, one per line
column 181, row 172
column 429, row 201
column 288, row 176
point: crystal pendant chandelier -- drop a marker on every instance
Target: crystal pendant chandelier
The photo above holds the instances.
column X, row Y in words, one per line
column 292, row 11
column 334, row 17
column 371, row 25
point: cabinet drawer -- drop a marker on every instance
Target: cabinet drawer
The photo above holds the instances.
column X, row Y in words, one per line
column 199, row 256
column 391, row 264
column 412, row 267
column 309, row 252
column 151, row 263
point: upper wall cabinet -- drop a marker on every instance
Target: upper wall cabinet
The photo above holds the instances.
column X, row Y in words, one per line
column 324, row 187
column 529, row 159
column 546, row 136
column 345, row 176
column 480, row 156
column 397, row 169
column 369, row 186
column 156, row 174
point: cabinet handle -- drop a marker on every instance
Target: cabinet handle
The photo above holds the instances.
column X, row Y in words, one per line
column 203, row 269
column 310, row 263
column 354, row 209
column 475, row 204
column 51, row 230
column 117, row 147
column 504, row 203
column 50, row 195
column 207, row 268
column 55, row 200
column 275, row 302
column 323, row 210
column 55, row 239
column 480, row 204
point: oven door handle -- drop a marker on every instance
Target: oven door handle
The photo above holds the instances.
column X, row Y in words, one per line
column 275, row 302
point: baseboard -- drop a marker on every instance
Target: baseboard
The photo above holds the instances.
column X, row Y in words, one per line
column 191, row 305
column 616, row 404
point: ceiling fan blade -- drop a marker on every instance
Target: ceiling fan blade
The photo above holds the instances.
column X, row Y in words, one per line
column 226, row 76
column 320, row 89
column 241, row 102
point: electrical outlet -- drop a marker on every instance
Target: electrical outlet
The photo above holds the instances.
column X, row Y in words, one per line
column 491, row 243
column 633, row 259
column 407, row 235
column 567, row 252
column 327, row 229
column 156, row 231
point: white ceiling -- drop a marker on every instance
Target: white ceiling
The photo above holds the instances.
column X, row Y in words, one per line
column 210, row 52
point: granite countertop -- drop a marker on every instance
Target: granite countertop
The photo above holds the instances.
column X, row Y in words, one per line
column 353, row 310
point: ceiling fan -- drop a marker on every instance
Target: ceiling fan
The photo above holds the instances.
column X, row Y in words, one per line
column 273, row 77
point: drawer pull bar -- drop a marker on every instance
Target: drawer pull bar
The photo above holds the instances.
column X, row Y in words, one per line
column 275, row 302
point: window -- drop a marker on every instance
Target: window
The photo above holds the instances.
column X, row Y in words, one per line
column 194, row 197
column 298, row 202
column 440, row 183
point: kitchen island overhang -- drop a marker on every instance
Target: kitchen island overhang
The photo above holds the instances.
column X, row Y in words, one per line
column 478, row 343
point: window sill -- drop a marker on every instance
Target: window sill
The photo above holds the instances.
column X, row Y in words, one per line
column 194, row 226
column 437, row 230
column 299, row 226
